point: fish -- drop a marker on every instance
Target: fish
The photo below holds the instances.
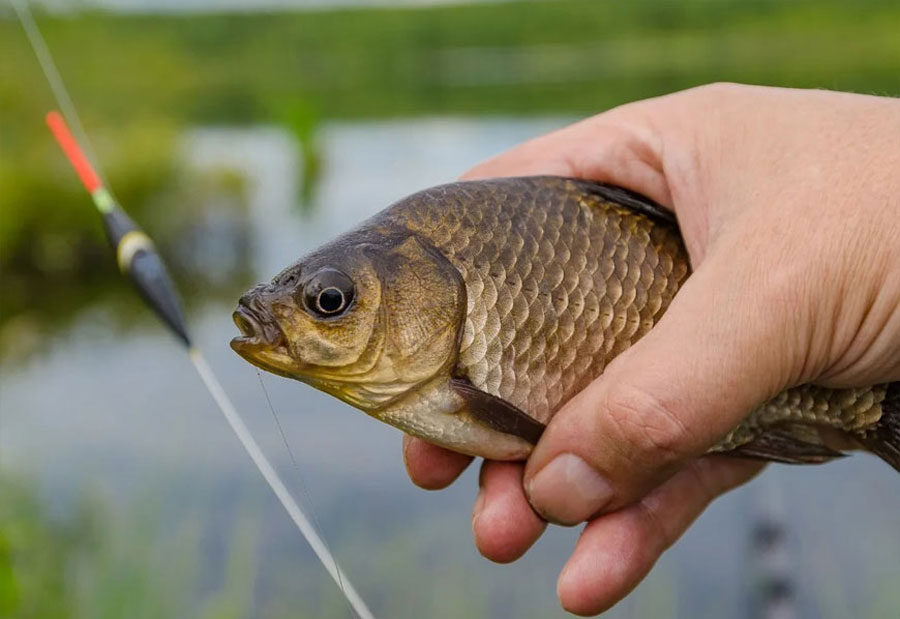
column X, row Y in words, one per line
column 469, row 313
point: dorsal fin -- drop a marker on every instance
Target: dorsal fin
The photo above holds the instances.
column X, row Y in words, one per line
column 628, row 199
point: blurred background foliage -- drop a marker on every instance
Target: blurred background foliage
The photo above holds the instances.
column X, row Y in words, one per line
column 139, row 80
column 82, row 565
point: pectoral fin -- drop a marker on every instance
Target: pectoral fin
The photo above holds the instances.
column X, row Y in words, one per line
column 497, row 413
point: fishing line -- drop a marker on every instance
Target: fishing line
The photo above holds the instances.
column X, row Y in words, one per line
column 54, row 79
column 139, row 260
column 299, row 473
column 271, row 476
column 277, row 421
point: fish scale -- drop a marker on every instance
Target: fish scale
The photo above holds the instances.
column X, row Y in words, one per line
column 572, row 268
column 622, row 264
column 845, row 409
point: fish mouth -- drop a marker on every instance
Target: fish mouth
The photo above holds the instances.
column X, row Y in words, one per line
column 258, row 332
column 262, row 341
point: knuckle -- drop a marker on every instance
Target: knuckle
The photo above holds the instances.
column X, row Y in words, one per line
column 702, row 475
column 646, row 426
column 659, row 533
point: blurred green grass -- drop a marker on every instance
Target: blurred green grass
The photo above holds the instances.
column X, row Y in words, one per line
column 88, row 565
column 180, row 549
column 139, row 79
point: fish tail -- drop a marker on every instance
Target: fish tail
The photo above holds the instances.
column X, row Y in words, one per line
column 884, row 439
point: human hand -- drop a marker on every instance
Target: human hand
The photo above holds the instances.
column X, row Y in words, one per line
column 789, row 204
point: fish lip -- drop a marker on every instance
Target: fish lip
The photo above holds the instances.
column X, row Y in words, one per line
column 246, row 321
column 257, row 330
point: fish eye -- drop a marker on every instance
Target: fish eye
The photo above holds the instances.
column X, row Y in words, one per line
column 330, row 300
column 328, row 293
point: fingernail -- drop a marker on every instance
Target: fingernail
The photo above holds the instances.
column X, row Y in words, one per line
column 568, row 491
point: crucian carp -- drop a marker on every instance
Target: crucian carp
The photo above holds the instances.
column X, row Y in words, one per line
column 468, row 314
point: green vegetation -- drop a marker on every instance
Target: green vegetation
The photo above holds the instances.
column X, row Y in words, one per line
column 204, row 558
column 171, row 554
column 526, row 58
column 99, row 564
column 34, row 555
column 139, row 79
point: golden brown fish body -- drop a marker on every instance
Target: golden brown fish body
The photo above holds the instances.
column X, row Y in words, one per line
column 469, row 313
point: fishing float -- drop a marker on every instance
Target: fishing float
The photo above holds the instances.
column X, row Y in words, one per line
column 139, row 261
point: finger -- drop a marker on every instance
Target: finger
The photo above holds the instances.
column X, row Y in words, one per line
column 621, row 146
column 616, row 551
column 503, row 523
column 432, row 467
column 716, row 354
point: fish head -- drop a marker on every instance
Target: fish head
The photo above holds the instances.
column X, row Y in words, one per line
column 365, row 319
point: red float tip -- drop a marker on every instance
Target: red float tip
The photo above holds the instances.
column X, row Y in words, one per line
column 70, row 147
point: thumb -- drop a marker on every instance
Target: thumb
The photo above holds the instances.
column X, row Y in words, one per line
column 719, row 351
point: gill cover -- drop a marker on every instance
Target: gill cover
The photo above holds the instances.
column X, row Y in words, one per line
column 424, row 301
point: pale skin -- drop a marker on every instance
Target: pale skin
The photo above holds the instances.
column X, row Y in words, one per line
column 789, row 203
